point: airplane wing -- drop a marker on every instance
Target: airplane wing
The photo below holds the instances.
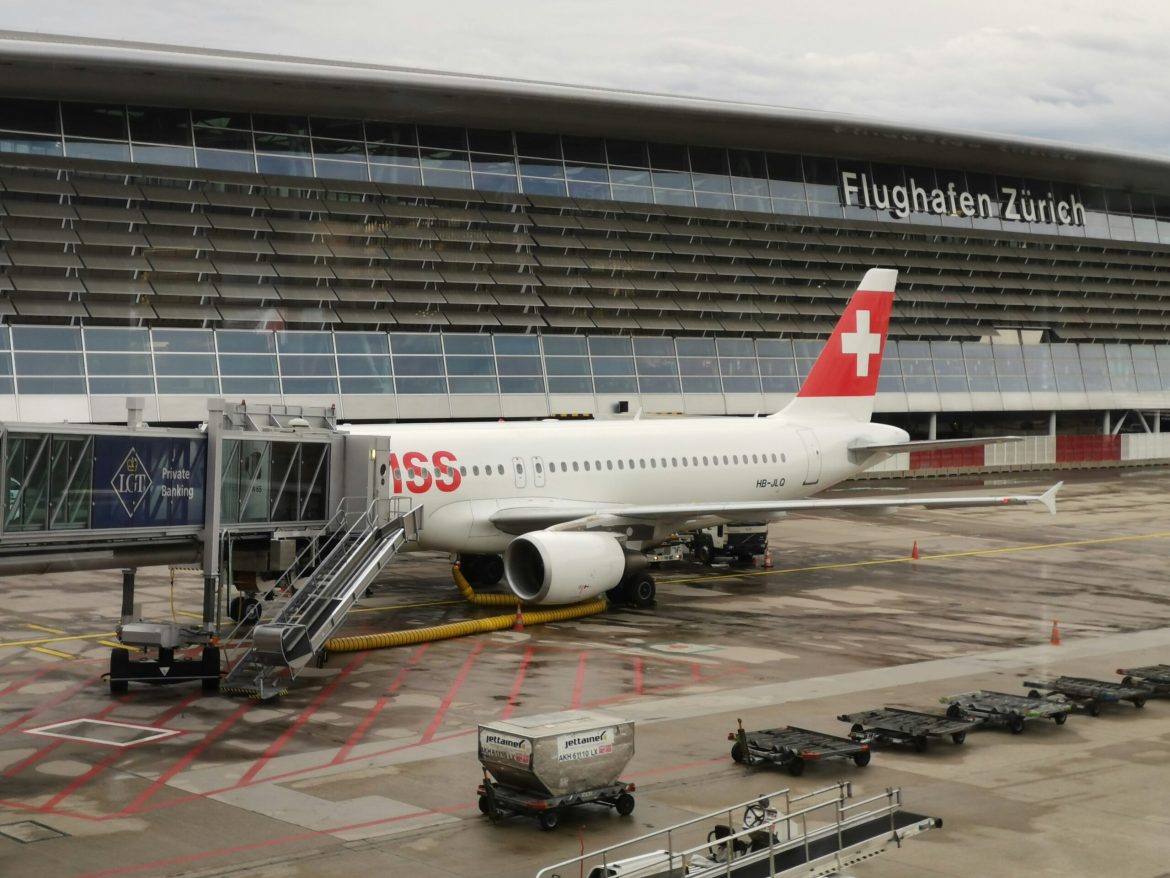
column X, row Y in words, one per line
column 524, row 519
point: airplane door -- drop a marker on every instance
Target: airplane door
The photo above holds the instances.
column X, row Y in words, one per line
column 518, row 469
column 538, row 472
column 812, row 451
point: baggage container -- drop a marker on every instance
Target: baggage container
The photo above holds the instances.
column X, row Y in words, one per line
column 555, row 754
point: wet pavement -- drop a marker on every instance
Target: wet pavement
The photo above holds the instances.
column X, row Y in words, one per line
column 369, row 762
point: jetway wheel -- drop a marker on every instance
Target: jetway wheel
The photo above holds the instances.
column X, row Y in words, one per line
column 119, row 671
column 210, row 669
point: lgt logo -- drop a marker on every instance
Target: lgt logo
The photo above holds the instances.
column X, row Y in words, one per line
column 131, row 483
column 419, row 479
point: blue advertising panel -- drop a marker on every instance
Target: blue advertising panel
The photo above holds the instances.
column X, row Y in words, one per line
column 148, row 481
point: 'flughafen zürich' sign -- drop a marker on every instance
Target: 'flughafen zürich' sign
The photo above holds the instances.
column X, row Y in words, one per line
column 1010, row 203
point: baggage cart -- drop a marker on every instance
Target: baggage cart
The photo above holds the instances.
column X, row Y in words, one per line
column 498, row 801
column 1003, row 709
column 1087, row 694
column 792, row 748
column 540, row 765
column 1156, row 678
column 894, row 725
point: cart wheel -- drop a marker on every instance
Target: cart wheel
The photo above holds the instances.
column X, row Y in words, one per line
column 1139, row 703
column 1015, row 724
column 119, row 667
column 1093, row 708
column 625, row 805
column 1127, row 681
column 861, row 759
column 795, row 766
column 704, row 554
column 1060, row 718
column 737, row 751
column 1033, row 694
column 856, row 729
column 549, row 820
column 919, row 743
column 959, row 737
column 954, row 711
column 485, row 806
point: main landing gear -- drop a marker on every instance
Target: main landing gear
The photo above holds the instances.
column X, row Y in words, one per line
column 482, row 570
column 635, row 589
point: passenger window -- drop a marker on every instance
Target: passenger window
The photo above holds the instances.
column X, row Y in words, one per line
column 694, row 461
column 725, row 460
column 463, row 471
column 642, row 463
column 631, row 463
column 653, row 463
column 735, row 458
column 520, row 468
column 705, row 461
column 755, row 459
column 609, row 464
column 475, row 470
column 674, row 461
column 538, row 468
column 783, row 458
column 576, row 466
column 564, row 467
column 684, row 460
column 586, row 466
column 621, row 463
column 597, row 463
column 500, row 467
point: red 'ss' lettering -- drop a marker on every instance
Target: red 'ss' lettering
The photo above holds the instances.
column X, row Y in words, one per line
column 420, row 477
column 447, row 477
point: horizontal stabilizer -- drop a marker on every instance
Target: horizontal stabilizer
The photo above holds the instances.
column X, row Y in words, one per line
column 932, row 444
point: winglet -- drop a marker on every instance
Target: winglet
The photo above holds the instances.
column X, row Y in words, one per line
column 1048, row 498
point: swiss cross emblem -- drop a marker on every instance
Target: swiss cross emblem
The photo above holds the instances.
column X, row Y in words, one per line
column 862, row 343
column 131, row 483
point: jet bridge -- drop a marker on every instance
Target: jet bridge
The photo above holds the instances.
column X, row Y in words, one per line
column 262, row 497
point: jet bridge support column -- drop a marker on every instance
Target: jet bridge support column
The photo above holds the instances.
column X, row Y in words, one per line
column 128, row 594
column 212, row 501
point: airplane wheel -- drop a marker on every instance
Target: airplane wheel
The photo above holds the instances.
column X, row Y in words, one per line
column 642, row 591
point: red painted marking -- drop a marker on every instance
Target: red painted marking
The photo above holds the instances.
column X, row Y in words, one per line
column 368, row 719
column 437, row 720
column 20, row 685
column 579, row 683
column 639, row 678
column 186, row 760
column 518, row 683
column 104, row 764
column 47, row 705
column 40, row 754
column 323, row 696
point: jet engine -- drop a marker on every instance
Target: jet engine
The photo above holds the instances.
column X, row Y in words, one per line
column 561, row 567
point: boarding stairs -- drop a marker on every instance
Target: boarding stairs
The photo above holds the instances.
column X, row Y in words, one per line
column 312, row 609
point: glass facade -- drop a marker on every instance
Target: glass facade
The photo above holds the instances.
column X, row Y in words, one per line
column 598, row 168
column 100, row 360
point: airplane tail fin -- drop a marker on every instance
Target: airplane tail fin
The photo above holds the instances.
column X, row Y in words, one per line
column 844, row 377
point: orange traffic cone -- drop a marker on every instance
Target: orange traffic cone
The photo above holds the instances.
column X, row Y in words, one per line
column 518, row 625
column 914, row 551
column 768, row 558
column 1055, row 638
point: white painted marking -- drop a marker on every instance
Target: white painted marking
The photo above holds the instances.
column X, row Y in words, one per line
column 143, row 733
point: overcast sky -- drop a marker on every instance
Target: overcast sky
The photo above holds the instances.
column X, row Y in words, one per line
column 1081, row 71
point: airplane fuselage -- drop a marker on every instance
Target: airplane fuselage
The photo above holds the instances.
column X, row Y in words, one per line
column 465, row 473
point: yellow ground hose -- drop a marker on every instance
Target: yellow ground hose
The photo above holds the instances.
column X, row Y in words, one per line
column 472, row 626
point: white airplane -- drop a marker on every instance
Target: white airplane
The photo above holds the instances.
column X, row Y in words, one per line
column 572, row 506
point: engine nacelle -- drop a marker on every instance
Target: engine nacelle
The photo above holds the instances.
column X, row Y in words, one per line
column 561, row 567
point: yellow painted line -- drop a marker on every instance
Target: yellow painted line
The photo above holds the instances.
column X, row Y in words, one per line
column 112, row 643
column 56, row 639
column 52, row 652
column 34, row 627
column 974, row 552
column 405, row 606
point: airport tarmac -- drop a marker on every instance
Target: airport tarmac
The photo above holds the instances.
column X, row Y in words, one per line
column 368, row 765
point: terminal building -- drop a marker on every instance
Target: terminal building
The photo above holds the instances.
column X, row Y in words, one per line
column 181, row 224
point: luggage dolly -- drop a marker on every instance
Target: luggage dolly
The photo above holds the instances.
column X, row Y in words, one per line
column 893, row 725
column 498, row 801
column 1156, row 678
column 791, row 747
column 1089, row 695
column 1002, row 709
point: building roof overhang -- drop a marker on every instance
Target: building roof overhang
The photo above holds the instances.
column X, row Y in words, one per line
column 74, row 68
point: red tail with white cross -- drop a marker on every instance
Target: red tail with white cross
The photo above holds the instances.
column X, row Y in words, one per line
column 844, row 378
